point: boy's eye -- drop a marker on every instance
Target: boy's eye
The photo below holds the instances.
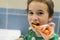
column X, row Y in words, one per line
column 40, row 13
column 31, row 13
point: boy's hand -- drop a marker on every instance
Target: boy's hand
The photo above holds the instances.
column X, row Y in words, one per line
column 20, row 39
column 51, row 28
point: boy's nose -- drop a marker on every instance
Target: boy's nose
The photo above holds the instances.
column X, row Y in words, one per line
column 35, row 18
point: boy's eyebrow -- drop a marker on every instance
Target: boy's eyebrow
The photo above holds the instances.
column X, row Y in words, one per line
column 40, row 10
column 37, row 10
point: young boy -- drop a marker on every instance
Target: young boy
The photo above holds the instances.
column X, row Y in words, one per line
column 40, row 12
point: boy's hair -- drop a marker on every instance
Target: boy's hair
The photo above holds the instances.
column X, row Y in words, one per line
column 49, row 3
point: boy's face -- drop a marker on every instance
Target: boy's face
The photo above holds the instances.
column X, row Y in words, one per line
column 38, row 13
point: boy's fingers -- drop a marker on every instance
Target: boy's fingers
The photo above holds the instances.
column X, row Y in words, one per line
column 51, row 35
column 52, row 24
column 42, row 34
column 45, row 28
column 20, row 39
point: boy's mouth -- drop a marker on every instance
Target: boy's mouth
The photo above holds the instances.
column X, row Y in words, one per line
column 37, row 24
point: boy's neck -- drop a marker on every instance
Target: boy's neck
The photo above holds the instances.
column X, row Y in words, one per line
column 38, row 35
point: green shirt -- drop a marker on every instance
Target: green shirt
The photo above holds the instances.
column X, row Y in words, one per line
column 32, row 36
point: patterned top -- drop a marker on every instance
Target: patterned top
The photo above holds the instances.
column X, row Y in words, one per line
column 32, row 36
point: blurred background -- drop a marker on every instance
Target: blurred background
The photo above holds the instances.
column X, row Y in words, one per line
column 13, row 16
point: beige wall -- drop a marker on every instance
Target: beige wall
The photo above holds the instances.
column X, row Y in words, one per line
column 3, row 3
column 57, row 5
column 21, row 4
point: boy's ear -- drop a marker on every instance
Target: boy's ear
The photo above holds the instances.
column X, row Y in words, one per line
column 50, row 18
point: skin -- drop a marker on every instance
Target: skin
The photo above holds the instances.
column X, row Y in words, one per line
column 38, row 13
column 20, row 39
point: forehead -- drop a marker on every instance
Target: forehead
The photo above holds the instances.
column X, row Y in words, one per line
column 38, row 6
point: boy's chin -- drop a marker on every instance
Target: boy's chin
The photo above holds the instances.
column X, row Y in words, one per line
column 35, row 31
column 38, row 35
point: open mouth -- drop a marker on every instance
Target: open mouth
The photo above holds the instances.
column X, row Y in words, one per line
column 37, row 24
